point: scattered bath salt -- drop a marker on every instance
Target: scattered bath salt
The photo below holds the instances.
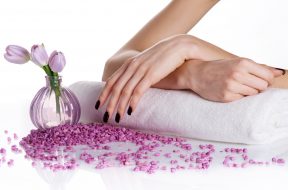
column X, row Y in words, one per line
column 230, row 160
column 103, row 145
column 44, row 145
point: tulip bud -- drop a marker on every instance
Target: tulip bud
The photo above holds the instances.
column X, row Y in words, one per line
column 39, row 55
column 57, row 61
column 16, row 54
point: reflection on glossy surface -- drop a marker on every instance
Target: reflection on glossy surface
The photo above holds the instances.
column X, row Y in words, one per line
column 124, row 178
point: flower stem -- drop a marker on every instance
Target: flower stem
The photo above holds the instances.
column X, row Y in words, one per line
column 54, row 85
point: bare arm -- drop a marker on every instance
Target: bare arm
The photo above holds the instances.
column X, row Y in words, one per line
column 177, row 18
column 161, row 55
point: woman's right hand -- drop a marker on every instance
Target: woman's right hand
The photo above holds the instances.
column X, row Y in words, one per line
column 226, row 80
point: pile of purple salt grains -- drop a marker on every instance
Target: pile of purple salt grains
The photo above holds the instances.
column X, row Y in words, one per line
column 65, row 147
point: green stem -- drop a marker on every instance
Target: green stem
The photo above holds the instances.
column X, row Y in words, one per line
column 54, row 85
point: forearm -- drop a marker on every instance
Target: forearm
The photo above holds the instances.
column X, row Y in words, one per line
column 195, row 48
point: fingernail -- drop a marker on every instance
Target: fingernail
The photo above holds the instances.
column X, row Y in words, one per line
column 129, row 111
column 106, row 117
column 117, row 118
column 97, row 104
column 281, row 70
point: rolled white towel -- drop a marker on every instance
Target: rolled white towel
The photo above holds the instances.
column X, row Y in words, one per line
column 258, row 119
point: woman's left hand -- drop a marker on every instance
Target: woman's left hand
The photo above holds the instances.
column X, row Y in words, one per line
column 127, row 85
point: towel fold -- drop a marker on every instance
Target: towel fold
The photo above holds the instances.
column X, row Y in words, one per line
column 258, row 119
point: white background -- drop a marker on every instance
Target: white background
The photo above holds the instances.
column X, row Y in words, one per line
column 89, row 32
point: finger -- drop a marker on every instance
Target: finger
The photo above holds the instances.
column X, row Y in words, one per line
column 244, row 90
column 276, row 71
column 252, row 81
column 230, row 97
column 109, row 85
column 119, row 85
column 127, row 92
column 261, row 72
column 138, row 92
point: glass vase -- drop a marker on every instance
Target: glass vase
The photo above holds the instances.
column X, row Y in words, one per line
column 54, row 105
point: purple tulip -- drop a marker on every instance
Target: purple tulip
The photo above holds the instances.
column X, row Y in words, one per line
column 17, row 54
column 57, row 61
column 39, row 55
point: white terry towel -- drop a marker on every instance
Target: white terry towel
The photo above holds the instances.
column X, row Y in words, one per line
column 258, row 119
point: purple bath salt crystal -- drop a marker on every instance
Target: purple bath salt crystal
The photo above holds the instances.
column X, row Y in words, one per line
column 3, row 159
column 9, row 140
column 6, row 131
column 172, row 170
column 182, row 156
column 2, row 151
column 15, row 136
column 173, row 161
column 233, row 150
column 10, row 163
column 156, row 154
column 33, row 164
column 280, row 161
column 227, row 149
column 274, row 159
column 106, row 147
column 201, row 146
column 244, row 165
column 245, row 157
column 168, row 155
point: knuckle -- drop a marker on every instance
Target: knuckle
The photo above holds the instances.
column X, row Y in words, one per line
column 125, row 92
column 224, row 95
column 109, row 83
column 235, row 75
column 264, row 85
column 137, row 91
column 115, row 90
column 254, row 92
column 270, row 76
column 149, row 78
column 141, row 69
column 134, row 62
column 242, row 62
column 228, row 84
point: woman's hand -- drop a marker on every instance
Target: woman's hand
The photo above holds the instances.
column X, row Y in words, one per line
column 226, row 80
column 126, row 86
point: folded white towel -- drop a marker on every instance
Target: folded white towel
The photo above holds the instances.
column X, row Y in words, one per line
column 255, row 119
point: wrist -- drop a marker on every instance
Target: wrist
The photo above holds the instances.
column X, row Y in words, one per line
column 186, row 45
column 187, row 74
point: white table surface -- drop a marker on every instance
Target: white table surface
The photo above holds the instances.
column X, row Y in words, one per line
column 15, row 118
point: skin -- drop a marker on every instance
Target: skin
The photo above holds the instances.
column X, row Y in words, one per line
column 168, row 58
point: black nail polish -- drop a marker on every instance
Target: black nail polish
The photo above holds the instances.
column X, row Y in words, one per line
column 97, row 104
column 129, row 111
column 106, row 117
column 281, row 70
column 117, row 118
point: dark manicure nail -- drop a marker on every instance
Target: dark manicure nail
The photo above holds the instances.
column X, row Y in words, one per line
column 281, row 70
column 117, row 118
column 97, row 104
column 129, row 111
column 106, row 117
